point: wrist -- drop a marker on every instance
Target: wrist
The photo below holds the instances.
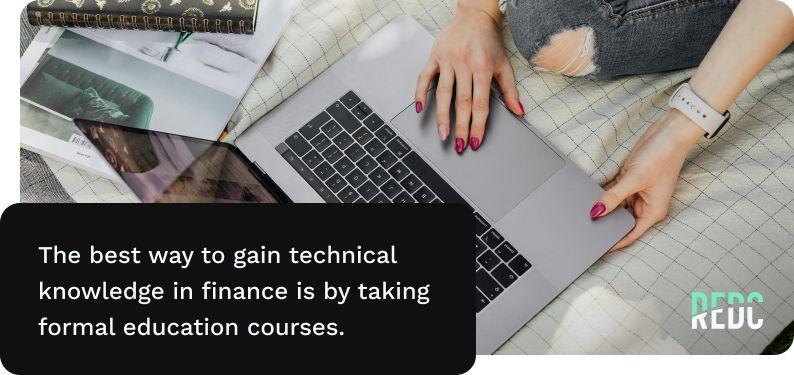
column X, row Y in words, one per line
column 711, row 93
column 489, row 8
column 682, row 129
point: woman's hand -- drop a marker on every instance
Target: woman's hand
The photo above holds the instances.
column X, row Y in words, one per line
column 468, row 54
column 758, row 31
column 649, row 175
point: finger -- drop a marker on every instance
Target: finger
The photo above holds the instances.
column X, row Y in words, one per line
column 642, row 226
column 446, row 80
column 614, row 196
column 629, row 200
column 479, row 109
column 463, row 98
column 423, row 84
column 506, row 80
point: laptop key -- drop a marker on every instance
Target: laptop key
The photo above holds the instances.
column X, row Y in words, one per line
column 487, row 284
column 391, row 188
column 312, row 159
column 443, row 190
column 368, row 190
column 520, row 265
column 332, row 154
column 298, row 144
column 320, row 142
column 380, row 198
column 367, row 164
column 282, row 148
column 399, row 147
column 344, row 141
column 331, row 129
column 374, row 147
column 503, row 274
column 404, row 198
column 361, row 111
column 386, row 159
column 363, row 107
column 411, row 184
column 348, row 195
column 309, row 177
column 379, row 176
column 373, row 122
column 424, row 195
column 336, row 183
column 480, row 300
column 385, row 134
column 344, row 117
column 355, row 152
column 506, row 251
column 488, row 260
column 356, row 178
column 313, row 127
column 479, row 247
column 350, row 99
column 492, row 238
column 399, row 171
column 324, row 171
column 362, row 136
column 480, row 224
column 344, row 166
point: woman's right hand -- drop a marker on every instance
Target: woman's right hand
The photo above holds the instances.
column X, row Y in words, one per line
column 468, row 54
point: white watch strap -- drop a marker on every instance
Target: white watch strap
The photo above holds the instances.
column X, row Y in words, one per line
column 700, row 112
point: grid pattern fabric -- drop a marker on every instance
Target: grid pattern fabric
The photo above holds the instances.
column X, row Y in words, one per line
column 730, row 227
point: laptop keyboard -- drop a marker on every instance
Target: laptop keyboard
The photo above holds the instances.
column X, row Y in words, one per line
column 348, row 154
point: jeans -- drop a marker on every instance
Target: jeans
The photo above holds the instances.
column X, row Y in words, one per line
column 629, row 36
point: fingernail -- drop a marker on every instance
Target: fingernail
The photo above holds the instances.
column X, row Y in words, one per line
column 443, row 132
column 419, row 107
column 523, row 112
column 460, row 145
column 475, row 143
column 597, row 210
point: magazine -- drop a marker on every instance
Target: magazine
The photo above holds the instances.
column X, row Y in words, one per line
column 183, row 83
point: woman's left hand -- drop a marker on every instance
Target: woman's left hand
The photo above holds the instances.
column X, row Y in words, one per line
column 646, row 181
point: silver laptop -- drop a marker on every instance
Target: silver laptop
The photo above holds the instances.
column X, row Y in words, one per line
column 352, row 136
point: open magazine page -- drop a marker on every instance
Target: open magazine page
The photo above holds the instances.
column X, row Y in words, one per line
column 182, row 83
column 52, row 134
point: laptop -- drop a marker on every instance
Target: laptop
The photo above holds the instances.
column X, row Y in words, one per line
column 352, row 136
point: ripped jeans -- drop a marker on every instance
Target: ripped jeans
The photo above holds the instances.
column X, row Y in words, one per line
column 609, row 38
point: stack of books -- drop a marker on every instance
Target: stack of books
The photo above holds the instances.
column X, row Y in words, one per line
column 177, row 66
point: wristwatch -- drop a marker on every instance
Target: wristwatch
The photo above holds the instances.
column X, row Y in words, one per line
column 700, row 112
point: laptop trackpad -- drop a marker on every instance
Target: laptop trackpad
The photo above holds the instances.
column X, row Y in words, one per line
column 510, row 164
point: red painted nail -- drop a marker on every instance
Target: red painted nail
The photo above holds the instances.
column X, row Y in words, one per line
column 475, row 143
column 597, row 210
column 523, row 111
column 460, row 145
column 419, row 107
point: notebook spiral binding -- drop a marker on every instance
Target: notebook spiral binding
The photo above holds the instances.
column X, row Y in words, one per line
column 109, row 21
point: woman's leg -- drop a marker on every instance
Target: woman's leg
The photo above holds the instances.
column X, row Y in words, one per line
column 608, row 38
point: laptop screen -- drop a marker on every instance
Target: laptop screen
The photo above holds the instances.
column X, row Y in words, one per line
column 168, row 168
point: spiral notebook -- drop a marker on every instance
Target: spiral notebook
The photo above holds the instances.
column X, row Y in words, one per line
column 217, row 16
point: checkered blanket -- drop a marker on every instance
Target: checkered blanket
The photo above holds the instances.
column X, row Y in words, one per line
column 730, row 227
